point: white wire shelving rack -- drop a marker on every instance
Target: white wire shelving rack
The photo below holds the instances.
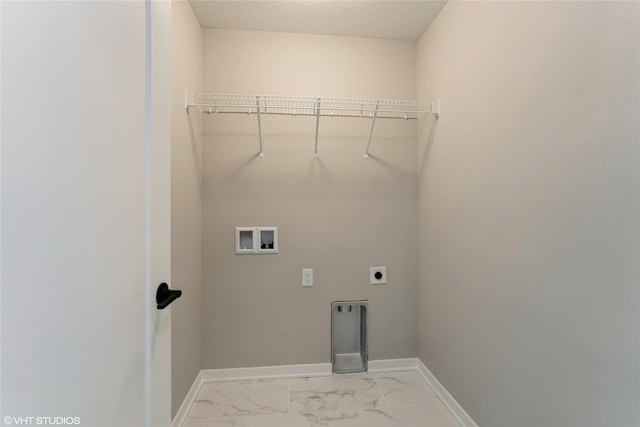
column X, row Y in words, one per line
column 373, row 109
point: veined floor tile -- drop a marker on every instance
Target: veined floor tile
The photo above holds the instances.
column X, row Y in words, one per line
column 395, row 399
column 220, row 422
column 316, row 419
column 234, row 399
column 338, row 393
column 432, row 415
column 405, row 388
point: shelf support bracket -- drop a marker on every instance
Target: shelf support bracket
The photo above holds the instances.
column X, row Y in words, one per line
column 261, row 153
column 435, row 108
column 315, row 150
column 373, row 122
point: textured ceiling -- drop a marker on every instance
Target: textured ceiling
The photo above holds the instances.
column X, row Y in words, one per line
column 385, row 19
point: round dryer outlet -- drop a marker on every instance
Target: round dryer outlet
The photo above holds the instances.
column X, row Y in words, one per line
column 378, row 275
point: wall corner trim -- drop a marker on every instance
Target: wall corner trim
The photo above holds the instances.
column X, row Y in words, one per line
column 454, row 407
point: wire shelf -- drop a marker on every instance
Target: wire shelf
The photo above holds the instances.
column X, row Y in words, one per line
column 213, row 103
column 311, row 106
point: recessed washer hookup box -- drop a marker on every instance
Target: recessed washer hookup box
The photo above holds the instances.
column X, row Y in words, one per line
column 349, row 327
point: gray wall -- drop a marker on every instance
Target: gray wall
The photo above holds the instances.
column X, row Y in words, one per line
column 528, row 212
column 186, row 204
column 339, row 214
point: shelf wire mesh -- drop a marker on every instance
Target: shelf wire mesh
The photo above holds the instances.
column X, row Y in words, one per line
column 310, row 106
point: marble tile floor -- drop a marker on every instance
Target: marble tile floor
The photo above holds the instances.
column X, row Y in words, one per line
column 397, row 399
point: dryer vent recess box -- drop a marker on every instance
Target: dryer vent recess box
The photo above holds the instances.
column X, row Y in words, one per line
column 256, row 240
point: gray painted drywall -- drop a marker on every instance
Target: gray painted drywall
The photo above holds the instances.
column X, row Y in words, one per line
column 186, row 204
column 339, row 214
column 528, row 212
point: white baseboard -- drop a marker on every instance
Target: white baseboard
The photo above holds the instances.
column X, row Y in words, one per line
column 266, row 372
column 315, row 370
column 392, row 365
column 456, row 410
column 186, row 403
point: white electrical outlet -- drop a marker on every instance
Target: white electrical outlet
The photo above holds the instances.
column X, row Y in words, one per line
column 307, row 277
column 378, row 275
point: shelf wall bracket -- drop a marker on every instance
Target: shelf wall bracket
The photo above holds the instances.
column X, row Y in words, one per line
column 315, row 149
column 188, row 100
column 373, row 122
column 435, row 108
column 261, row 153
